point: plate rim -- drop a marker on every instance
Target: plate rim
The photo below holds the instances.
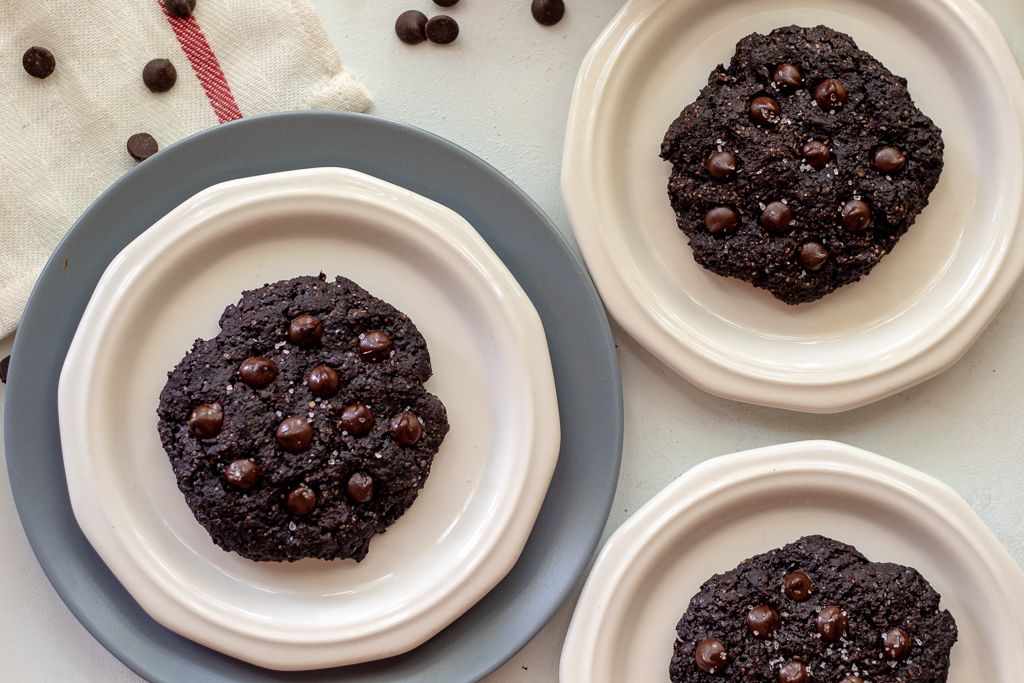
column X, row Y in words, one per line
column 715, row 477
column 711, row 374
column 570, row 525
column 161, row 591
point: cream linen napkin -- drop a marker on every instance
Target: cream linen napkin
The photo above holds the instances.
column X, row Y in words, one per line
column 63, row 138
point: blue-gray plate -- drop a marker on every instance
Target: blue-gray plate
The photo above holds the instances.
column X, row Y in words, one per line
column 582, row 356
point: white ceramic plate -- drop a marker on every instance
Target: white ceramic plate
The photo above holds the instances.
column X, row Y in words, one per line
column 491, row 369
column 913, row 316
column 733, row 507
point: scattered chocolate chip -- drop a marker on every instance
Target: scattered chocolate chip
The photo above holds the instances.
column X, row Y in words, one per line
column 710, row 655
column 411, row 27
column 816, row 154
column 242, row 474
column 793, row 672
column 300, row 500
column 257, row 371
column 142, row 146
column 547, row 12
column 721, row 164
column 405, row 429
column 294, row 434
column 360, row 487
column 38, row 62
column 206, row 421
column 323, row 381
column 159, row 75
column 445, row 3
column 180, row 8
column 851, row 678
column 889, row 160
column 856, row 216
column 305, row 330
column 797, row 586
column 787, row 78
column 5, row 364
column 441, row 29
column 813, row 256
column 357, row 419
column 764, row 110
column 375, row 345
column 763, row 621
column 896, row 643
column 721, row 220
column 831, row 624
column 776, row 217
column 830, row 94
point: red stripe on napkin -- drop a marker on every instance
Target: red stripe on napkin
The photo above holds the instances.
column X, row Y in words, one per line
column 205, row 64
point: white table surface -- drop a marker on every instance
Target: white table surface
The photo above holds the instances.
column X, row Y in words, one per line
column 502, row 91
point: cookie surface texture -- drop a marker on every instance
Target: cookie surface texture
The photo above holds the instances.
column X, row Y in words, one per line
column 812, row 123
column 816, row 606
column 284, row 430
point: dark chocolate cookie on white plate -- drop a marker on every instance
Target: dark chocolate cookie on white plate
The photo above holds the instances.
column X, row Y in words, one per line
column 814, row 611
column 303, row 428
column 801, row 164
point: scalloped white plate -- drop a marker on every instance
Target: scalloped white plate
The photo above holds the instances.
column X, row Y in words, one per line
column 491, row 369
column 735, row 506
column 913, row 316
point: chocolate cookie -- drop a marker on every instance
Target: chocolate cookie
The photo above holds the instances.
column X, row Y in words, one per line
column 814, row 610
column 302, row 429
column 801, row 164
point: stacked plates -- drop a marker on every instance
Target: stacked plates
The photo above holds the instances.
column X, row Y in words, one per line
column 491, row 369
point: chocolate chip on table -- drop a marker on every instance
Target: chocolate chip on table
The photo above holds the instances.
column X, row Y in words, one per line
column 793, row 672
column 294, row 434
column 816, row 154
column 721, row 220
column 711, row 655
column 323, row 381
column 445, row 3
column 180, row 8
column 547, row 12
column 242, row 474
column 441, row 29
column 300, row 500
column 142, row 146
column 813, row 256
column 375, row 345
column 830, row 94
column 206, row 420
column 797, row 586
column 776, row 217
column 357, row 419
column 721, row 164
column 410, row 27
column 257, row 371
column 305, row 330
column 38, row 62
column 831, row 624
column 360, row 487
column 888, row 160
column 787, row 78
column 764, row 110
column 4, row 365
column 763, row 621
column 159, row 75
column 405, row 429
column 855, row 216
column 896, row 644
